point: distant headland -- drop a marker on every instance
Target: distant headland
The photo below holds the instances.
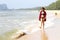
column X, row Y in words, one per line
column 3, row 7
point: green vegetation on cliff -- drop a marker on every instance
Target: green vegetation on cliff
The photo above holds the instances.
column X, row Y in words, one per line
column 54, row 6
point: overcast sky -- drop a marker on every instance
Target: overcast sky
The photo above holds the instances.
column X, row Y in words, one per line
column 26, row 3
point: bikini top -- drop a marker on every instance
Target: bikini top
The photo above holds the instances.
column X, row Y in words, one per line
column 42, row 13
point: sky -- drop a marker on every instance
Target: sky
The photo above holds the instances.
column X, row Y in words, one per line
column 16, row 4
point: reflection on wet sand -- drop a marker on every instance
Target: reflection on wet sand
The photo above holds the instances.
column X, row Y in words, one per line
column 43, row 35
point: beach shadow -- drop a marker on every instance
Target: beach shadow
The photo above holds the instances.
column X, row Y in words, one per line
column 43, row 35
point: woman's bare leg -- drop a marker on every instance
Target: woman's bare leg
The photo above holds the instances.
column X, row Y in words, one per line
column 43, row 24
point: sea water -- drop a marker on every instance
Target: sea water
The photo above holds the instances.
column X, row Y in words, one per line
column 22, row 19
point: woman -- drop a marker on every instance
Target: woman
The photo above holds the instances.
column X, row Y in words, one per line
column 42, row 17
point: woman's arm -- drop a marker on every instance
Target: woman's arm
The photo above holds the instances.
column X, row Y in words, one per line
column 40, row 16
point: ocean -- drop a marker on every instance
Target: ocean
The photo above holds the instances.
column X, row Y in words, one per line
column 20, row 19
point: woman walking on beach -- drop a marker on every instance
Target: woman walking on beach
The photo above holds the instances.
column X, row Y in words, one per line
column 42, row 17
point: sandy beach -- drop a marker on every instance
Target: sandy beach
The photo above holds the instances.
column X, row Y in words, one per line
column 50, row 33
